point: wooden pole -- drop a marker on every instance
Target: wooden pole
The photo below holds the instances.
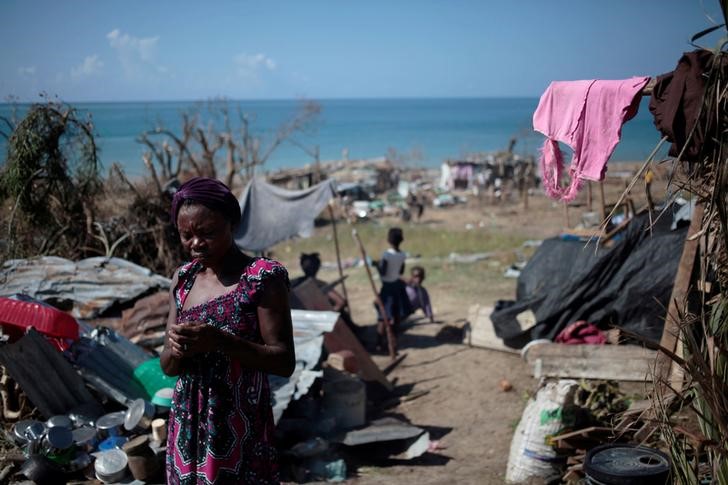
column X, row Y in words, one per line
column 666, row 368
column 338, row 254
column 566, row 215
column 602, row 201
column 648, row 192
column 589, row 206
column 628, row 206
column 391, row 339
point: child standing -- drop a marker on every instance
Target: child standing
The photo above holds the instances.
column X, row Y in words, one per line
column 393, row 293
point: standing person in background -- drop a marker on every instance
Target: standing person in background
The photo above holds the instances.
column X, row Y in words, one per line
column 419, row 299
column 393, row 293
column 229, row 326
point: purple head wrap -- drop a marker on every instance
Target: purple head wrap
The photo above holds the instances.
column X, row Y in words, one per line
column 209, row 192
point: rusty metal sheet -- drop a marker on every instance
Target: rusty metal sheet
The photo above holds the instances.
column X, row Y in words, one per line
column 90, row 286
column 149, row 314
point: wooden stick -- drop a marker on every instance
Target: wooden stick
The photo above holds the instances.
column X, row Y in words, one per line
column 616, row 230
column 602, row 201
column 589, row 196
column 391, row 366
column 630, row 205
column 338, row 254
column 391, row 340
column 566, row 214
column 648, row 191
column 666, row 368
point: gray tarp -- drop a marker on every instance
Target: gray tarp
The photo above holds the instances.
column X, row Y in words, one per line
column 271, row 214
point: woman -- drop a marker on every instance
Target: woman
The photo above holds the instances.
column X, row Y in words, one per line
column 229, row 326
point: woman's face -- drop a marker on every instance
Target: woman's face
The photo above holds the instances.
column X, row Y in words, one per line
column 205, row 234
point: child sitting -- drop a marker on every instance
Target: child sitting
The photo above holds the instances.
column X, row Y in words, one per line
column 418, row 296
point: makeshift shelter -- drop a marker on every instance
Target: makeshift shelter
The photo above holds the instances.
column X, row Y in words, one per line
column 627, row 285
column 271, row 214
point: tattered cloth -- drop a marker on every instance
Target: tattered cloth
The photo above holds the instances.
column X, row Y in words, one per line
column 677, row 104
column 271, row 214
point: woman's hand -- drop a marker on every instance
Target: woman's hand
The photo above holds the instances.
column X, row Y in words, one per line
column 193, row 338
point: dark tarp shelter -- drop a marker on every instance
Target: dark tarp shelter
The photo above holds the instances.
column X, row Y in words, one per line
column 627, row 285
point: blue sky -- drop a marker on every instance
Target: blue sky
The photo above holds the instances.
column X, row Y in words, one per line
column 85, row 50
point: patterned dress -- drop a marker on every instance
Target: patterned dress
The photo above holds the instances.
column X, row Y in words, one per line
column 221, row 423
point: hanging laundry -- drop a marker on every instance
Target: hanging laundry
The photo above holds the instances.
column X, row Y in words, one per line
column 676, row 101
column 588, row 117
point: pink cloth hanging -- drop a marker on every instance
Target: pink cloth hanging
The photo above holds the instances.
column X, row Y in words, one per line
column 588, row 117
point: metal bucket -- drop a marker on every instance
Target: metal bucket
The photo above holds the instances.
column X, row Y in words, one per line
column 345, row 400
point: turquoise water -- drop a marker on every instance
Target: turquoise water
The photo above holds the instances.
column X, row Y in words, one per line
column 428, row 130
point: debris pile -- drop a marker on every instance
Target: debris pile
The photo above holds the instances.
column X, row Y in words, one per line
column 84, row 396
column 571, row 431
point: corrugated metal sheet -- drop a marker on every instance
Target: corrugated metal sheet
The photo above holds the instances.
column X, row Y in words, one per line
column 107, row 360
column 308, row 339
column 92, row 285
column 49, row 381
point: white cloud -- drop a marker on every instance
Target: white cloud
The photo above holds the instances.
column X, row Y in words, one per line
column 138, row 55
column 250, row 65
column 26, row 71
column 90, row 65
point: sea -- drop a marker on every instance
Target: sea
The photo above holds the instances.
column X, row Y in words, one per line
column 421, row 132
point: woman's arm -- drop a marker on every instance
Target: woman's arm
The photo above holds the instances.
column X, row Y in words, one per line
column 274, row 356
column 171, row 357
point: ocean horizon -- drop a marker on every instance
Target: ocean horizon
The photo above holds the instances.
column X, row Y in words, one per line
column 423, row 131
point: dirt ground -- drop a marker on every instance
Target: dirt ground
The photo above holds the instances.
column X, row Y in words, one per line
column 465, row 410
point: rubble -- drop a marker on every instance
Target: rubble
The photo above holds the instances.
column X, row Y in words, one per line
column 100, row 401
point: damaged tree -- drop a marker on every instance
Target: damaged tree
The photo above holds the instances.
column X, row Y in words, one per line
column 231, row 153
column 49, row 182
column 197, row 150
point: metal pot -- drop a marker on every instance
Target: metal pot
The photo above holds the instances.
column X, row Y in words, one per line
column 57, row 440
column 110, row 424
column 139, row 416
column 110, row 466
column 143, row 464
column 19, row 430
column 85, row 438
column 34, row 434
column 81, row 419
column 59, row 420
